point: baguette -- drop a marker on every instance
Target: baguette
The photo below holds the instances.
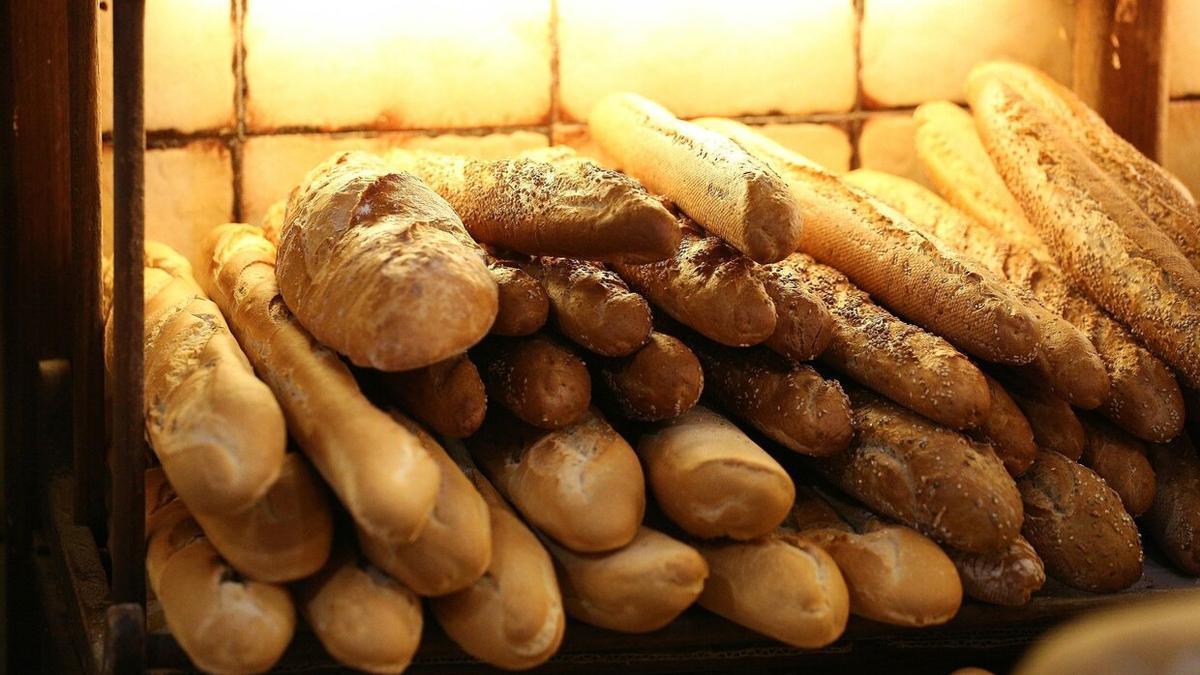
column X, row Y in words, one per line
column 1107, row 246
column 1055, row 425
column 803, row 325
column 378, row 469
column 512, row 617
column 364, row 619
column 524, row 305
column 790, row 403
column 535, row 378
column 709, row 287
column 658, row 382
column 379, row 267
column 285, row 536
column 1121, row 461
column 273, row 219
column 455, row 546
column 1078, row 527
column 1144, row 398
column 919, row 279
column 572, row 207
column 1008, row 431
column 893, row 574
column 448, row 396
column 1174, row 518
column 1009, row 577
column 592, row 306
column 916, row 369
column 934, row 480
column 581, row 485
column 780, row 585
column 722, row 187
column 214, row 426
column 224, row 624
column 638, row 588
column 712, row 480
column 1066, row 359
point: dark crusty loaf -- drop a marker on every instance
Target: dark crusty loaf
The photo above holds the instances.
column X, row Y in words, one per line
column 1174, row 519
column 1008, row 577
column 660, row 381
column 1121, row 461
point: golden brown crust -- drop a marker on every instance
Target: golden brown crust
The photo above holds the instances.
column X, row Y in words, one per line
column 536, row 379
column 660, row 381
column 1078, row 526
column 709, row 287
column 883, row 254
column 928, row 477
column 918, row 370
column 1055, row 425
column 803, row 326
column 1009, row 577
column 1174, row 518
column 730, row 193
column 1143, row 398
column 572, row 207
column 1008, row 431
column 215, row 427
column 592, row 306
column 379, row 470
column 447, row 396
column 712, row 480
column 273, row 219
column 524, row 304
column 1121, row 461
column 581, row 485
column 788, row 402
column 379, row 267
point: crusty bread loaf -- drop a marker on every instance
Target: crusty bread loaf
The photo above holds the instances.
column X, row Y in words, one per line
column 1174, row 518
column 712, row 480
column 224, row 624
column 378, row 267
column 1147, row 184
column 363, row 618
column 1078, row 526
column 581, row 485
column 1008, row 432
column 286, row 535
column 637, row 588
column 883, row 254
column 379, row 470
column 1121, row 461
column 455, row 546
column 780, row 585
column 1055, row 425
column 1108, row 247
column 803, row 325
column 448, row 396
column 1008, row 577
column 1066, row 359
column 535, row 378
column 660, row 381
column 893, row 573
column 916, row 369
column 592, row 306
column 572, row 207
column 720, row 186
column 524, row 305
column 926, row 476
column 512, row 617
column 214, row 426
column 709, row 287
column 788, row 402
column 1143, row 396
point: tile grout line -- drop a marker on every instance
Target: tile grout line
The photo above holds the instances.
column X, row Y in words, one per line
column 855, row 122
column 237, row 142
column 554, row 73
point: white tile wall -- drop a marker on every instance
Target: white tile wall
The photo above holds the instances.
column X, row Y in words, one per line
column 1183, row 46
column 1183, row 143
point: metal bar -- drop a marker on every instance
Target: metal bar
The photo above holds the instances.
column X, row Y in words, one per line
column 87, row 350
column 127, row 536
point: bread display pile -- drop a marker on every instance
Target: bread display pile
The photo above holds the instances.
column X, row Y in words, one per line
column 516, row 391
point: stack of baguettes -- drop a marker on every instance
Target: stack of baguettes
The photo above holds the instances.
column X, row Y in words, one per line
column 556, row 323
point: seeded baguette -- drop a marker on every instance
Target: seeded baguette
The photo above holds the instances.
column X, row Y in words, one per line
column 1055, row 425
column 1009, row 577
column 1144, row 397
column 524, row 305
column 919, row 279
column 448, row 396
column 1121, row 461
column 1174, row 518
column 916, row 369
column 592, row 306
column 1008, row 431
column 730, row 193
column 803, row 325
column 573, row 208
column 535, row 378
column 660, row 381
column 709, row 287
